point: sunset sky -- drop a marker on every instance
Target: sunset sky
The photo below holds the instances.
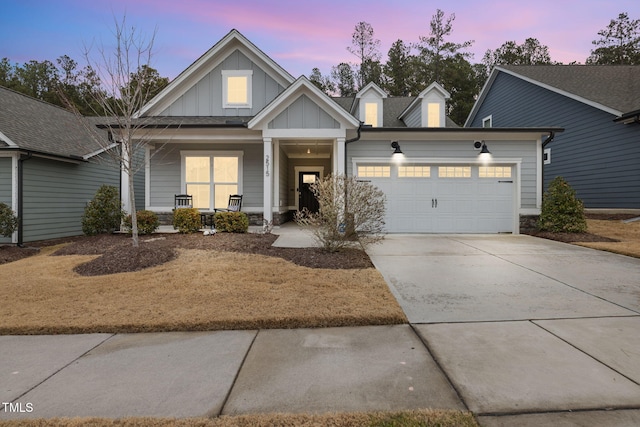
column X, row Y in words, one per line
column 298, row 34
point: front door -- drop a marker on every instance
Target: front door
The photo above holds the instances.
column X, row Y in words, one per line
column 306, row 197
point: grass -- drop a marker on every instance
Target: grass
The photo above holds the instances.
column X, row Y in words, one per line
column 200, row 290
column 416, row 418
column 628, row 235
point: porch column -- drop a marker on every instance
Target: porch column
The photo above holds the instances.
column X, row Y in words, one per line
column 268, row 176
column 124, row 182
column 339, row 157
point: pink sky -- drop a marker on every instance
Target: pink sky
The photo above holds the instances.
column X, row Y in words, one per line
column 299, row 34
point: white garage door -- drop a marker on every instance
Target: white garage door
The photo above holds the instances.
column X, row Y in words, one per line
column 444, row 198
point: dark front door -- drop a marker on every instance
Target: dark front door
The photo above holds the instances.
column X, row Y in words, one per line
column 306, row 197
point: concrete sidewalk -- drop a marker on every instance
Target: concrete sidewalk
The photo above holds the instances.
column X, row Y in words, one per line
column 519, row 330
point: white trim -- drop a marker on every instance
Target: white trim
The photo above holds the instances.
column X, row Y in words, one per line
column 8, row 140
column 147, row 177
column 489, row 119
column 546, row 152
column 100, row 151
column 297, row 170
column 305, row 133
column 15, row 158
column 267, row 180
column 225, row 88
column 433, row 86
column 210, row 153
column 539, row 174
column 275, row 182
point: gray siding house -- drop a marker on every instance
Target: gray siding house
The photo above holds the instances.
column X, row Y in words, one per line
column 49, row 168
column 599, row 108
column 235, row 122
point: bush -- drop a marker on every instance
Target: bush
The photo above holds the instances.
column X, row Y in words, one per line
column 148, row 222
column 562, row 211
column 232, row 222
column 104, row 213
column 8, row 221
column 364, row 220
column 187, row 220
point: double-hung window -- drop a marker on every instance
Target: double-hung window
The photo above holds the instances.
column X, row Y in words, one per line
column 236, row 88
column 211, row 177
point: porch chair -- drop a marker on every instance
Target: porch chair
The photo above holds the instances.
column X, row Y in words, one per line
column 234, row 205
column 183, row 201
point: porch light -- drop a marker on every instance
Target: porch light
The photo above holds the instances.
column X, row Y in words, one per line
column 485, row 154
column 396, row 148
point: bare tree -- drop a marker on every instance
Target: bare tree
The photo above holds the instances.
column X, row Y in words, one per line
column 366, row 47
column 123, row 70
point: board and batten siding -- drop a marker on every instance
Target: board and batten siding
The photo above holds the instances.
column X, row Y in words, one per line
column 425, row 150
column 166, row 175
column 205, row 97
column 5, row 187
column 303, row 113
column 597, row 156
column 56, row 193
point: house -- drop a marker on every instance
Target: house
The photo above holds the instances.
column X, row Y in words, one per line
column 599, row 107
column 236, row 122
column 49, row 167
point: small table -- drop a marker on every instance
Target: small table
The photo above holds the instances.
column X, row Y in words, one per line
column 207, row 219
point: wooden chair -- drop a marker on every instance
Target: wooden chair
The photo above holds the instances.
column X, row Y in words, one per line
column 183, row 201
column 234, row 205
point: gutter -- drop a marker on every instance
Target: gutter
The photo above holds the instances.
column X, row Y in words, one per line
column 349, row 141
column 20, row 212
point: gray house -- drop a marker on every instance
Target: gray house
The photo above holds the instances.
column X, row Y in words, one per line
column 599, row 107
column 235, row 122
column 49, row 167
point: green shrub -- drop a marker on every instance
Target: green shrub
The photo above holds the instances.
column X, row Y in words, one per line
column 187, row 220
column 148, row 222
column 8, row 221
column 232, row 222
column 104, row 213
column 562, row 211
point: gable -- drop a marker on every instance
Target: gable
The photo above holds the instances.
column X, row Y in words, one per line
column 190, row 92
column 303, row 113
column 205, row 97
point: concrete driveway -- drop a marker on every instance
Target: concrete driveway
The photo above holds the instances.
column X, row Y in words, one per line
column 528, row 331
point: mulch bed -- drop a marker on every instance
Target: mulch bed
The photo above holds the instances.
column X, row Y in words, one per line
column 118, row 254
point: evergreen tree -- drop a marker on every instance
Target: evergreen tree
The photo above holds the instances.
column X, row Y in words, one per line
column 619, row 43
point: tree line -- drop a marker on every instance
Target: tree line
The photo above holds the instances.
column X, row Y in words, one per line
column 410, row 67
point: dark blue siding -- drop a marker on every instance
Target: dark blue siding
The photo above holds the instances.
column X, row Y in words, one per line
column 598, row 157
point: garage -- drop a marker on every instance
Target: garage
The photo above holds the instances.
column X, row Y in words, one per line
column 445, row 198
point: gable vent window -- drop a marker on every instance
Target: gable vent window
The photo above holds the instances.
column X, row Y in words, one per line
column 236, row 91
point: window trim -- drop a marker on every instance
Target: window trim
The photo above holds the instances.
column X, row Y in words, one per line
column 489, row 120
column 225, row 88
column 546, row 156
column 212, row 153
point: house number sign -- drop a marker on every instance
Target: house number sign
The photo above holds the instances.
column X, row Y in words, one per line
column 266, row 164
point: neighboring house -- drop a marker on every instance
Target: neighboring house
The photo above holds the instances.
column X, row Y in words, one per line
column 236, row 122
column 599, row 107
column 48, row 167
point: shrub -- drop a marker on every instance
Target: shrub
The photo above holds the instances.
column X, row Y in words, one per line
column 8, row 221
column 363, row 221
column 187, row 220
column 148, row 222
column 562, row 211
column 104, row 213
column 232, row 222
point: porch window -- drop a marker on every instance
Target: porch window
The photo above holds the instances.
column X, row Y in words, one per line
column 211, row 179
column 236, row 88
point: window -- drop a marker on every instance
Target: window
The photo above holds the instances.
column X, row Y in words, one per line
column 487, row 122
column 236, row 90
column 433, row 115
column 211, row 178
column 546, row 156
column 454, row 171
column 374, row 171
column 414, row 171
column 494, row 172
column 371, row 113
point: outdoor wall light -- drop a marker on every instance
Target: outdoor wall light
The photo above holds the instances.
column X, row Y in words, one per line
column 480, row 145
column 396, row 148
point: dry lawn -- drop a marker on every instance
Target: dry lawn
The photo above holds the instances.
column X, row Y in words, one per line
column 422, row 418
column 200, row 290
column 628, row 235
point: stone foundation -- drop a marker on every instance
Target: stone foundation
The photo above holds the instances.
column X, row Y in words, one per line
column 528, row 223
column 255, row 218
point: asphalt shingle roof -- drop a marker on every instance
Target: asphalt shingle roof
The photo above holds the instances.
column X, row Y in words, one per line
column 614, row 86
column 36, row 125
